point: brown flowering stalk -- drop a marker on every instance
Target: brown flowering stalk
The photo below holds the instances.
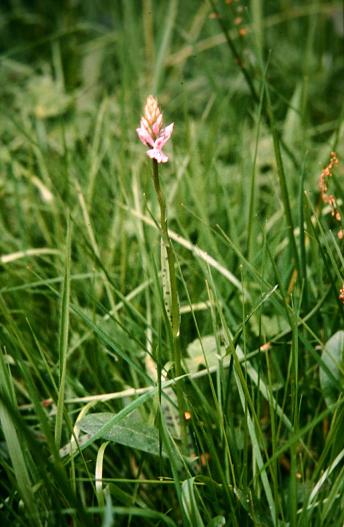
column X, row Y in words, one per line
column 341, row 294
column 329, row 199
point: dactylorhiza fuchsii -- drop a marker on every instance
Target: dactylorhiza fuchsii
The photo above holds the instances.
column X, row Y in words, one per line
column 152, row 131
column 154, row 134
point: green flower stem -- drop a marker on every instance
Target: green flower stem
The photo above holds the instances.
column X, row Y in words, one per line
column 175, row 315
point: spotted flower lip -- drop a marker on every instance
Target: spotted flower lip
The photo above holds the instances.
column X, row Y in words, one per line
column 152, row 132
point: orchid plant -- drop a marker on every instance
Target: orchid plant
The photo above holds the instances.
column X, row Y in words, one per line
column 154, row 134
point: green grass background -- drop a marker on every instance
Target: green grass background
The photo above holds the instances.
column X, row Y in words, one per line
column 258, row 262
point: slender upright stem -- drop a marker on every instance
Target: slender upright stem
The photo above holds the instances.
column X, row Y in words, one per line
column 175, row 314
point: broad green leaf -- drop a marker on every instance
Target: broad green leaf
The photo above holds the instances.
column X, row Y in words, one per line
column 131, row 431
column 332, row 368
column 269, row 325
column 218, row 521
column 204, row 352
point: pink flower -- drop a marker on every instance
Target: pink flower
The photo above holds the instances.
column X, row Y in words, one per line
column 152, row 132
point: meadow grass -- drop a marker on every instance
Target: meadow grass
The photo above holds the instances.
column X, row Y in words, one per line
column 102, row 423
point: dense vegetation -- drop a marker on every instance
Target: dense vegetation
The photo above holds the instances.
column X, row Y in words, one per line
column 101, row 423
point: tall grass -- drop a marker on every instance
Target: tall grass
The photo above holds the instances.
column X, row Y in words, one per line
column 89, row 391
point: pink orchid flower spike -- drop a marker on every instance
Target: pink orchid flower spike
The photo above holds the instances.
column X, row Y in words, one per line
column 152, row 131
